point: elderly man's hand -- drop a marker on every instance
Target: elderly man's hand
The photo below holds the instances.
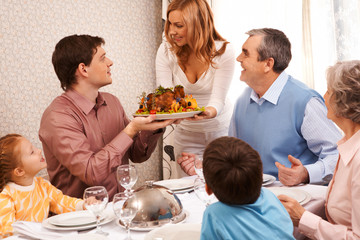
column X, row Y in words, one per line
column 186, row 162
column 292, row 176
column 294, row 208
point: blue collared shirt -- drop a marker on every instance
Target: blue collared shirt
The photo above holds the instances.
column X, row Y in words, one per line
column 321, row 143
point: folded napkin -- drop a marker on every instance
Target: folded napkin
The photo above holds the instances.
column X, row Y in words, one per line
column 37, row 231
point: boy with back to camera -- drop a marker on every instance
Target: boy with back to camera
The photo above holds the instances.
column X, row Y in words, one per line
column 233, row 172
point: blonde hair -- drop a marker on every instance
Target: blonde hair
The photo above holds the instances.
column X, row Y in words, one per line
column 9, row 157
column 201, row 31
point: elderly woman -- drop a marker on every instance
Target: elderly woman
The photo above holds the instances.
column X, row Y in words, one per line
column 343, row 197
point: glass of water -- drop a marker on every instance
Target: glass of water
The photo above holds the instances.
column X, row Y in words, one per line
column 127, row 176
column 200, row 192
column 96, row 199
column 198, row 165
column 125, row 207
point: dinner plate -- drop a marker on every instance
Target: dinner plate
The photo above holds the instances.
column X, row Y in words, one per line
column 73, row 219
column 268, row 179
column 307, row 199
column 108, row 218
column 163, row 116
column 299, row 195
column 188, row 231
column 138, row 229
column 177, row 184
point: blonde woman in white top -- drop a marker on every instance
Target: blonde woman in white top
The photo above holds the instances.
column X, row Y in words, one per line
column 195, row 56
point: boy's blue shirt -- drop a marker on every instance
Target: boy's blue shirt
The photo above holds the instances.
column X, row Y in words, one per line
column 265, row 219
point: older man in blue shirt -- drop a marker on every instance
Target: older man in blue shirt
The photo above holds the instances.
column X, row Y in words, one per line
column 280, row 117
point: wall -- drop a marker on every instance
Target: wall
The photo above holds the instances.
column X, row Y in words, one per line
column 29, row 31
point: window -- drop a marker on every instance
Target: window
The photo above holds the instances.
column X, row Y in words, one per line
column 330, row 30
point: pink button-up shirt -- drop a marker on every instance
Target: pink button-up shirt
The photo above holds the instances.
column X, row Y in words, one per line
column 343, row 198
column 83, row 142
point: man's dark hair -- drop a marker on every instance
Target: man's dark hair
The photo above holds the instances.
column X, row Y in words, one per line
column 70, row 52
column 233, row 171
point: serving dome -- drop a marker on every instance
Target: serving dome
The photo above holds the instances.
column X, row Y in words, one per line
column 157, row 205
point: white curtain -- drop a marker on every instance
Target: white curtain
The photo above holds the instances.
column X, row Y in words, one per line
column 235, row 17
column 347, row 26
column 321, row 32
column 335, row 28
column 307, row 57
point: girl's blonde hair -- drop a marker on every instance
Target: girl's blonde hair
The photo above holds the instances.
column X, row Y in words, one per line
column 201, row 32
column 9, row 157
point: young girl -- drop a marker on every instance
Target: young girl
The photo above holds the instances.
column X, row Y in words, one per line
column 23, row 196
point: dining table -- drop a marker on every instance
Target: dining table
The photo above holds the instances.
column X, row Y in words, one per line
column 194, row 208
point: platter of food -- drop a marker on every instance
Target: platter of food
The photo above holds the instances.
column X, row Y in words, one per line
column 168, row 103
column 163, row 116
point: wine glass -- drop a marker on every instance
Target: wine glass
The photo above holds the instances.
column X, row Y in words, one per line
column 198, row 165
column 125, row 207
column 127, row 176
column 199, row 189
column 96, row 199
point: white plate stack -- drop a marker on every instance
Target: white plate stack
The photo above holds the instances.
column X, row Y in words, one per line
column 78, row 220
column 178, row 186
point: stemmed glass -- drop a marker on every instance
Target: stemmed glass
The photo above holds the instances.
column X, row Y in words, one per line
column 96, row 199
column 125, row 207
column 127, row 176
column 199, row 189
column 198, row 165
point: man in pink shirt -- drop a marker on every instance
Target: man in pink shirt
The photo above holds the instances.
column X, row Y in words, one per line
column 85, row 133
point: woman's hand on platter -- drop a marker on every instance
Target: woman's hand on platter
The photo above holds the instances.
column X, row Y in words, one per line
column 186, row 162
column 210, row 112
column 293, row 207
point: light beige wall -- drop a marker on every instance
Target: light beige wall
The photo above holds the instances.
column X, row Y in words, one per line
column 29, row 31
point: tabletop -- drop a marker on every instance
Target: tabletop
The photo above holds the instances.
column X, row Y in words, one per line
column 195, row 208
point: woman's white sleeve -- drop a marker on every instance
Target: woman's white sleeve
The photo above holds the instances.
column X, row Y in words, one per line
column 163, row 69
column 222, row 79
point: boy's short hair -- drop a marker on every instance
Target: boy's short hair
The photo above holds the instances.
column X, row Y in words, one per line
column 233, row 171
column 70, row 52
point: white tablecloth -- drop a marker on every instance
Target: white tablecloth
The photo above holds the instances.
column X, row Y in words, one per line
column 196, row 208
